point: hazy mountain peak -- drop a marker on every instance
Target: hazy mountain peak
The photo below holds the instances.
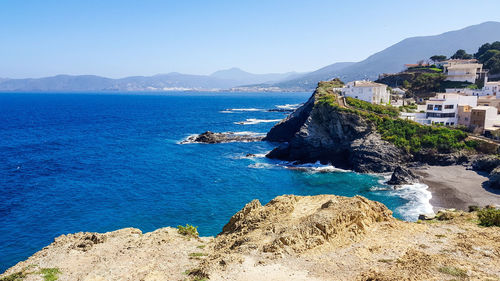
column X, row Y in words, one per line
column 232, row 73
column 393, row 58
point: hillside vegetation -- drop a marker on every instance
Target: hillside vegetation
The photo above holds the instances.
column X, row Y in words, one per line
column 406, row 134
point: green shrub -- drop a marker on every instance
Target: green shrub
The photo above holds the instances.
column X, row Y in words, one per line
column 450, row 270
column 50, row 274
column 325, row 94
column 489, row 217
column 380, row 109
column 406, row 134
column 413, row 136
column 188, row 230
column 18, row 276
column 474, row 208
column 197, row 254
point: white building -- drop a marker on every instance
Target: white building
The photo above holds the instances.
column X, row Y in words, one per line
column 466, row 91
column 368, row 91
column 489, row 89
column 416, row 117
column 462, row 70
column 443, row 109
column 492, row 89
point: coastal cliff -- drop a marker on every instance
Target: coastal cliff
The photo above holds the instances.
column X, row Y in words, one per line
column 320, row 132
column 323, row 237
column 364, row 137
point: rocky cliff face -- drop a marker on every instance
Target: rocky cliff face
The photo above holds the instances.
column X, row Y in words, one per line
column 318, row 132
column 322, row 237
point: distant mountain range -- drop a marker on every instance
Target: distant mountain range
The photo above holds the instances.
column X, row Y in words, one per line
column 223, row 79
column 389, row 60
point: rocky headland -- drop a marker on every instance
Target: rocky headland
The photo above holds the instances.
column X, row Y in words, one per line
column 322, row 237
column 356, row 135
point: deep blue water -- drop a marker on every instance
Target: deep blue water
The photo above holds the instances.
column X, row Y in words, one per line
column 75, row 162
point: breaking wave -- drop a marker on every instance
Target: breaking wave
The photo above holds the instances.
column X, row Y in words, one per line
column 418, row 197
column 289, row 106
column 253, row 121
column 310, row 167
column 236, row 110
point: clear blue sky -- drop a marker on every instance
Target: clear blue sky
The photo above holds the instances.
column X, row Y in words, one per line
column 121, row 38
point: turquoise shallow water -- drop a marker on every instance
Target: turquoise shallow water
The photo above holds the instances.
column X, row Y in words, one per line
column 88, row 162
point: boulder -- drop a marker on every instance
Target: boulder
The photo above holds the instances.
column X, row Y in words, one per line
column 402, row 176
column 427, row 216
column 494, row 181
column 485, row 163
column 447, row 214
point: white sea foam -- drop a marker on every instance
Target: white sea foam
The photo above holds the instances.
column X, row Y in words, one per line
column 187, row 139
column 313, row 167
column 289, row 106
column 262, row 166
column 253, row 121
column 246, row 133
column 309, row 168
column 417, row 194
column 236, row 110
column 250, row 156
column 418, row 197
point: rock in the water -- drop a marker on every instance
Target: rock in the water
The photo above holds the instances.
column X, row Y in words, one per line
column 280, row 110
column 210, row 137
column 402, row 176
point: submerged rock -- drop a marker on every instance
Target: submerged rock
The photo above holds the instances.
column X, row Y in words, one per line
column 210, row 137
column 281, row 110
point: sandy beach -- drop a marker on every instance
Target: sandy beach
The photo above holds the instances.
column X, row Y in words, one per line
column 456, row 187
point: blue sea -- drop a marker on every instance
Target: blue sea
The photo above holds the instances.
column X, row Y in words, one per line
column 100, row 162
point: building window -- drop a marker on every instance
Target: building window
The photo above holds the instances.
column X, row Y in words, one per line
column 429, row 107
column 448, row 106
column 440, row 115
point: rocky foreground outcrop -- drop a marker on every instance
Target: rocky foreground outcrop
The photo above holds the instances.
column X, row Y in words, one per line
column 322, row 237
